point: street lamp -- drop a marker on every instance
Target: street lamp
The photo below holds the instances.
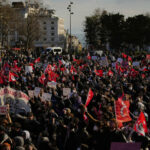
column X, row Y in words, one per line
column 70, row 13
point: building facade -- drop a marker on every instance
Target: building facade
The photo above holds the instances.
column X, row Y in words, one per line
column 51, row 28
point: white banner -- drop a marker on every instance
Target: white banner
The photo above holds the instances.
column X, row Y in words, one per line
column 52, row 84
column 18, row 101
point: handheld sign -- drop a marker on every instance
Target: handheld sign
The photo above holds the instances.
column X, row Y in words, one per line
column 37, row 91
column 3, row 110
column 28, row 69
column 46, row 96
column 66, row 91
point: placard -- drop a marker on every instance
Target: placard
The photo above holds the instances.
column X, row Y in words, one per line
column 66, row 91
column 94, row 57
column 46, row 96
column 28, row 69
column 52, row 84
column 37, row 91
column 125, row 146
column 119, row 60
column 3, row 110
column 31, row 93
column 104, row 61
column 136, row 63
column 113, row 64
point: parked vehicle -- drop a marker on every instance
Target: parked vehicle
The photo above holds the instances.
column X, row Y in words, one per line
column 54, row 50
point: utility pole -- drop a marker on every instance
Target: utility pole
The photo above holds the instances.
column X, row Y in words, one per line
column 70, row 13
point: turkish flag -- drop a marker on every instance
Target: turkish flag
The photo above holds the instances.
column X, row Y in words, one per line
column 37, row 60
column 12, row 77
column 48, row 68
column 42, row 78
column 52, row 76
column 16, row 68
column 99, row 72
column 129, row 58
column 89, row 97
column 140, row 125
column 124, row 55
column 122, row 111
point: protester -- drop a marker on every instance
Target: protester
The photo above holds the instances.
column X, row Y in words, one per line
column 80, row 103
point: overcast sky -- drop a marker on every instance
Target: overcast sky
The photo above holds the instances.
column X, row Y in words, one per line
column 82, row 8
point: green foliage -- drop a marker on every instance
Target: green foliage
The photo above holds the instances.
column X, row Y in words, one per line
column 102, row 28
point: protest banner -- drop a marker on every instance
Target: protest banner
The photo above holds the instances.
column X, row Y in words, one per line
column 52, row 84
column 125, row 146
column 28, row 69
column 17, row 100
column 66, row 91
column 46, row 96
column 37, row 91
column 104, row 61
column 3, row 110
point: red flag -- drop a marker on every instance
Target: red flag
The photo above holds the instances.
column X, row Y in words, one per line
column 99, row 72
column 73, row 70
column 48, row 68
column 122, row 111
column 12, row 77
column 124, row 55
column 42, row 78
column 52, row 76
column 16, row 68
column 110, row 73
column 89, row 97
column 129, row 58
column 37, row 60
column 88, row 56
column 140, row 125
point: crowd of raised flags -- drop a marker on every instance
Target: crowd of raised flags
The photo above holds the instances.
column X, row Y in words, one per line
column 90, row 77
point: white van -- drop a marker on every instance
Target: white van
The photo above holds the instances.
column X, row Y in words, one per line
column 54, row 50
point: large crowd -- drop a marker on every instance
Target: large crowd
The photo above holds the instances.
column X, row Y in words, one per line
column 60, row 123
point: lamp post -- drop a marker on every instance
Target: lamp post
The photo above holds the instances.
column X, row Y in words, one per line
column 70, row 13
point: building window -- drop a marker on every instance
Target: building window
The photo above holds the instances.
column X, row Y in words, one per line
column 52, row 39
column 44, row 22
column 52, row 28
column 52, row 22
column 44, row 28
column 45, row 39
column 52, row 34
